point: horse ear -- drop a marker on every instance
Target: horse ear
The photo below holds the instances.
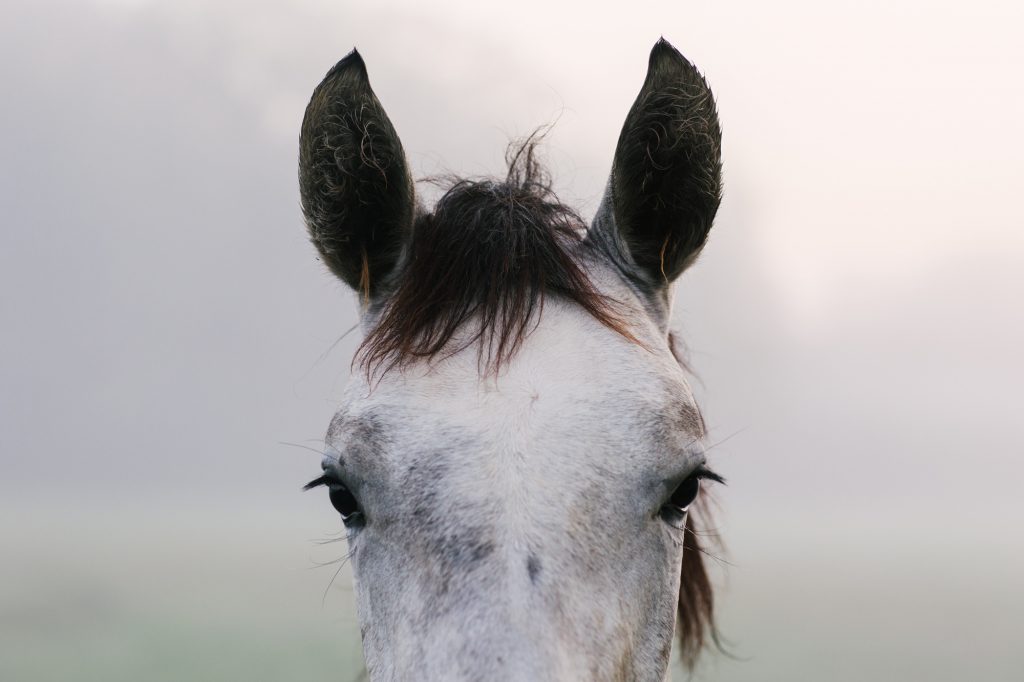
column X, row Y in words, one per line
column 666, row 180
column 357, row 194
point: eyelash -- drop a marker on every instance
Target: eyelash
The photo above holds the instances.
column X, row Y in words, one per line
column 322, row 480
column 704, row 474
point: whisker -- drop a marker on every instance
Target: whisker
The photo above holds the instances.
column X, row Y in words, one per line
column 304, row 447
column 332, row 562
column 727, row 438
column 329, row 541
column 720, row 560
column 344, row 561
column 330, row 349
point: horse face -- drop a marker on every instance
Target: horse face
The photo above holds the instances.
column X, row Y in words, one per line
column 520, row 526
column 516, row 463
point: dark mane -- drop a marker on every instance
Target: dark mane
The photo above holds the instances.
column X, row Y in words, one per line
column 488, row 255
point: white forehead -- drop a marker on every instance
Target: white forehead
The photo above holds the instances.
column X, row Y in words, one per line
column 572, row 379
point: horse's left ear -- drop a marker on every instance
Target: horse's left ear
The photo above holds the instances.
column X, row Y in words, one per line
column 666, row 180
column 357, row 193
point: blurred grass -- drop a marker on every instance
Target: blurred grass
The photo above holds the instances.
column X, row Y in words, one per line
column 241, row 597
column 175, row 596
column 151, row 647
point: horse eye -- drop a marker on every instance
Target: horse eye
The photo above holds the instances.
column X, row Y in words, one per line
column 685, row 494
column 342, row 498
column 345, row 502
column 674, row 510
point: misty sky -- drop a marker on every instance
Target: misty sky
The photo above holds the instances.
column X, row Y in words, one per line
column 170, row 343
column 855, row 320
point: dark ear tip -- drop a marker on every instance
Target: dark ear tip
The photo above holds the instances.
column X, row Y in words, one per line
column 350, row 64
column 664, row 49
column 664, row 56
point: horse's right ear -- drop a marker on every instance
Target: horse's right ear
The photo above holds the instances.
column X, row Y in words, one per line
column 357, row 193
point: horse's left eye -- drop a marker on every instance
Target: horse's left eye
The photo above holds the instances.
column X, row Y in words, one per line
column 685, row 494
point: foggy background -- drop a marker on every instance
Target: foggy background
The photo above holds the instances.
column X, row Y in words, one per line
column 855, row 320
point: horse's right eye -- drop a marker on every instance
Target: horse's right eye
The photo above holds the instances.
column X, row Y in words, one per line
column 345, row 502
column 342, row 498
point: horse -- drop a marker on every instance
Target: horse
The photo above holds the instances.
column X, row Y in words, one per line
column 519, row 461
